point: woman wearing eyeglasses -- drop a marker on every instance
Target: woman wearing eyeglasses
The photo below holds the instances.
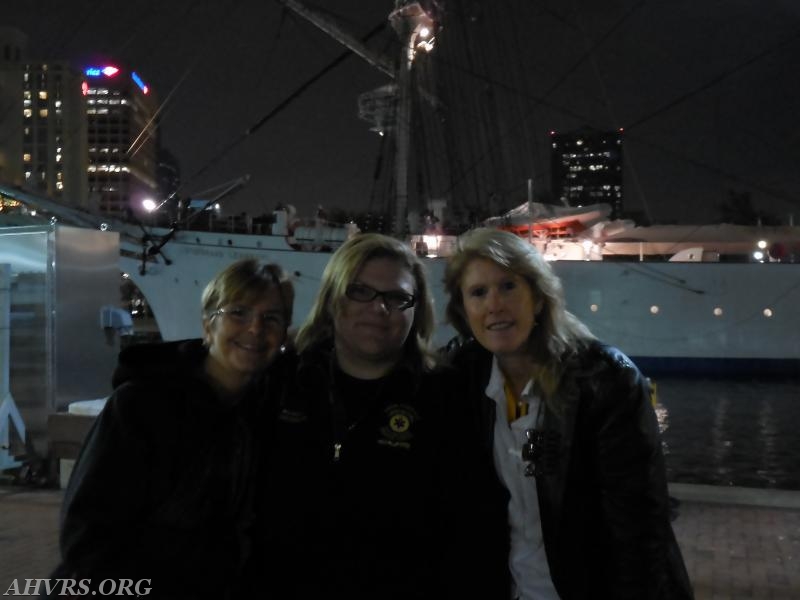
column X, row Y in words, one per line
column 361, row 499
column 570, row 427
column 161, row 495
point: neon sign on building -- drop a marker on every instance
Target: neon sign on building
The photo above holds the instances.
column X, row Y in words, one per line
column 112, row 71
column 107, row 71
column 138, row 81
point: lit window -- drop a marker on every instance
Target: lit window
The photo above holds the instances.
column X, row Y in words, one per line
column 58, row 158
column 26, row 157
column 59, row 176
column 43, row 112
column 27, row 113
column 58, row 103
column 59, row 185
column 27, row 174
column 42, row 95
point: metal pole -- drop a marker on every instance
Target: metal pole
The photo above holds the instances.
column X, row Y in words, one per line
column 9, row 413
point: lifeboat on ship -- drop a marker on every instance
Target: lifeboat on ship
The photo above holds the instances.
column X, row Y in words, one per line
column 548, row 221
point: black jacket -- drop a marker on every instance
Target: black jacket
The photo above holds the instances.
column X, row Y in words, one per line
column 367, row 493
column 602, row 491
column 162, row 489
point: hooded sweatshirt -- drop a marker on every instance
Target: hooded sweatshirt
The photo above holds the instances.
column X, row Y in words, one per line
column 162, row 488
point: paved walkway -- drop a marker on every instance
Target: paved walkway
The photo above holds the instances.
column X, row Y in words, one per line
column 737, row 543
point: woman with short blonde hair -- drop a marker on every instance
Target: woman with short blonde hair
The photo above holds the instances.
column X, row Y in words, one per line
column 164, row 485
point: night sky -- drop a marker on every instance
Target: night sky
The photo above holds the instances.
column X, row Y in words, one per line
column 707, row 91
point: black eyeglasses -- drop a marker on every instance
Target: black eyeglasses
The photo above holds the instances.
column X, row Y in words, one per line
column 393, row 299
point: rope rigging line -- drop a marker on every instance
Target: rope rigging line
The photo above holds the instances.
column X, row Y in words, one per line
column 713, row 81
column 542, row 101
column 538, row 100
column 282, row 105
column 146, row 129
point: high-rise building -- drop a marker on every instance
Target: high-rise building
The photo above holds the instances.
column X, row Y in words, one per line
column 586, row 168
column 43, row 125
column 122, row 140
column 85, row 138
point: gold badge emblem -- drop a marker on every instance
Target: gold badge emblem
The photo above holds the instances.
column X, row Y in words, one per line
column 399, row 423
column 398, row 431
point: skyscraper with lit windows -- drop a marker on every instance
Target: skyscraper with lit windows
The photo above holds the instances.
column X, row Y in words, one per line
column 587, row 168
column 43, row 125
column 122, row 140
column 85, row 137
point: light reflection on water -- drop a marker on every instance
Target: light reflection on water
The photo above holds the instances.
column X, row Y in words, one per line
column 731, row 432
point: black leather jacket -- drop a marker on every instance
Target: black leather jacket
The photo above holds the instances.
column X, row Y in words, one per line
column 602, row 487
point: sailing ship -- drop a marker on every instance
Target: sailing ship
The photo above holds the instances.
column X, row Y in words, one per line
column 672, row 297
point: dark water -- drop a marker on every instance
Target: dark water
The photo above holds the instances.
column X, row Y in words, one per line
column 731, row 432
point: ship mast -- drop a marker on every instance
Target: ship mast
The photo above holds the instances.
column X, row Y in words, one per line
column 415, row 27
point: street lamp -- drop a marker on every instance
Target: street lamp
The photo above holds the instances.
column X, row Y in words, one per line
column 150, row 206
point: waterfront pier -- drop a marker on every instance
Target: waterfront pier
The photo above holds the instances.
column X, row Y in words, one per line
column 737, row 542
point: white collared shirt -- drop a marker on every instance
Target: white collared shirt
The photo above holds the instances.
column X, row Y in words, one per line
column 527, row 560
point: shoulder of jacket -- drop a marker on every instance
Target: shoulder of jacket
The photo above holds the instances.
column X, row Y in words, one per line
column 161, row 362
column 599, row 357
column 468, row 355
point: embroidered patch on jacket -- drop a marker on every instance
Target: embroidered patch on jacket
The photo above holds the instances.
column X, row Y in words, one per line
column 292, row 416
column 398, row 430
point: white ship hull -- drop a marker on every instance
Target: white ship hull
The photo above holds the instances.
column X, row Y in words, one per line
column 665, row 315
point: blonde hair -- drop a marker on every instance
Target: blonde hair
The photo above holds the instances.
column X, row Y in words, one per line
column 343, row 268
column 557, row 331
column 244, row 281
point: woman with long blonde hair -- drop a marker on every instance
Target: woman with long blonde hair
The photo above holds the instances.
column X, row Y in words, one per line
column 570, row 428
